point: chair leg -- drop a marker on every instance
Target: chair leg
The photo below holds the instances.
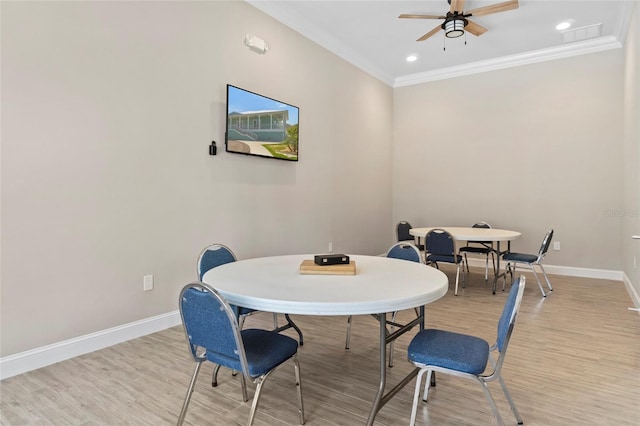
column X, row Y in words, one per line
column 256, row 396
column 511, row 403
column 546, row 277
column 486, row 269
column 493, row 261
column 455, row 292
column 416, row 395
column 214, row 376
column 430, row 382
column 492, row 402
column 391, row 345
column 507, row 269
column 187, row 398
column 346, row 343
column 275, row 321
column 464, row 278
column 243, row 383
column 533, row 269
column 296, row 366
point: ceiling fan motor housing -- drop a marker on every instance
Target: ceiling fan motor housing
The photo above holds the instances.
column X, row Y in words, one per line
column 454, row 24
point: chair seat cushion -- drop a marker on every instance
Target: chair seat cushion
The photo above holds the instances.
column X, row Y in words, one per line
column 265, row 350
column 245, row 311
column 520, row 257
column 447, row 258
column 450, row 350
column 470, row 249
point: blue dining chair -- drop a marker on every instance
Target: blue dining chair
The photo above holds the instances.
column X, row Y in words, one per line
column 219, row 254
column 484, row 248
column 467, row 356
column 441, row 247
column 216, row 255
column 531, row 261
column 214, row 335
column 402, row 250
column 403, row 234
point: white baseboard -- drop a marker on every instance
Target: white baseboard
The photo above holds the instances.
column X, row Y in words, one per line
column 635, row 297
column 33, row 359
column 13, row 365
column 571, row 271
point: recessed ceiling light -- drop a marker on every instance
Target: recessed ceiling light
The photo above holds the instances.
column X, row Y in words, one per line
column 563, row 25
column 412, row 58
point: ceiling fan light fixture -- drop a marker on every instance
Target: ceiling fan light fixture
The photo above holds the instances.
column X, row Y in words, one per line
column 454, row 28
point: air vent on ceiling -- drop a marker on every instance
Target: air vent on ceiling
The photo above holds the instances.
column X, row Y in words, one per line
column 582, row 33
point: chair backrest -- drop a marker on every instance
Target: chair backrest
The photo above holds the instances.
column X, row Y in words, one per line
column 405, row 251
column 211, row 327
column 509, row 313
column 212, row 256
column 546, row 242
column 484, row 225
column 439, row 241
column 402, row 231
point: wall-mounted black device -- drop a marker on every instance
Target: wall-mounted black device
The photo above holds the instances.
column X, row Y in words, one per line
column 213, row 150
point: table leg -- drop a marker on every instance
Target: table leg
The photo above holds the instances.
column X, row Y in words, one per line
column 498, row 273
column 383, row 369
column 381, row 399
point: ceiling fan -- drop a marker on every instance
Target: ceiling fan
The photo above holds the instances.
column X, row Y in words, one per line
column 456, row 22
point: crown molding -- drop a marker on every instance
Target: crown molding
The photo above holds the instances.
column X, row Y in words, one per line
column 542, row 55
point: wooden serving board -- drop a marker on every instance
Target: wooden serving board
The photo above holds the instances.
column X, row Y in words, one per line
column 309, row 267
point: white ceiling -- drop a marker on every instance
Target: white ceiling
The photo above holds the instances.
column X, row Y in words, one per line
column 370, row 35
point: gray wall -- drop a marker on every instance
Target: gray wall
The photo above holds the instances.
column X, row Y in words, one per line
column 630, row 211
column 108, row 111
column 526, row 148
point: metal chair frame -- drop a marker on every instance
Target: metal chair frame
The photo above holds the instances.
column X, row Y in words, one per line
column 199, row 355
column 512, row 263
column 436, row 236
column 480, row 247
column 483, row 379
column 402, row 233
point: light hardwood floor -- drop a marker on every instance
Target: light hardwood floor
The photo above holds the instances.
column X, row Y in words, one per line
column 574, row 359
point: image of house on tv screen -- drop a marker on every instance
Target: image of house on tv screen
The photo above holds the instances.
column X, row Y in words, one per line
column 257, row 125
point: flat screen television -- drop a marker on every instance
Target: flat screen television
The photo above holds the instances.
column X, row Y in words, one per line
column 260, row 126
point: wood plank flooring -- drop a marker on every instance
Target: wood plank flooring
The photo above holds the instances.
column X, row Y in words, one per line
column 574, row 359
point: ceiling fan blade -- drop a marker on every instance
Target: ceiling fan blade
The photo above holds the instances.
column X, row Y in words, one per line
column 494, row 8
column 457, row 6
column 430, row 33
column 408, row 15
column 475, row 29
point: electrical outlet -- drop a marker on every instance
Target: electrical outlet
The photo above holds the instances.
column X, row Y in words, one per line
column 147, row 283
column 330, row 247
column 556, row 245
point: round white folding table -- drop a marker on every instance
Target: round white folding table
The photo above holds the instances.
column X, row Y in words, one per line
column 460, row 233
column 380, row 285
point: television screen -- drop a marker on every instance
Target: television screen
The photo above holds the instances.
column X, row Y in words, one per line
column 261, row 126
